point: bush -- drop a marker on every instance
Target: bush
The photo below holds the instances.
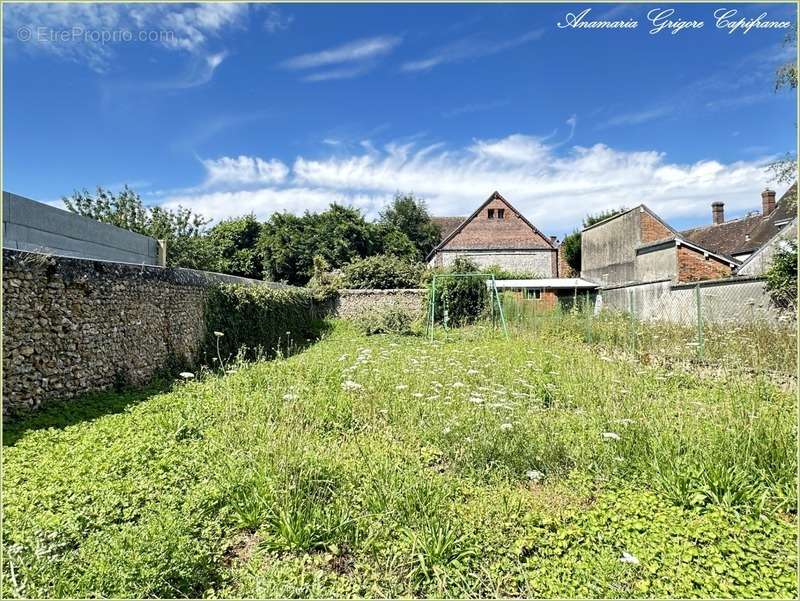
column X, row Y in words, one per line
column 257, row 319
column 391, row 321
column 782, row 275
column 500, row 273
column 382, row 272
column 464, row 299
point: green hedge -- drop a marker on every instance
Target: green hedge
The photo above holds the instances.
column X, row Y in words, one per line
column 258, row 320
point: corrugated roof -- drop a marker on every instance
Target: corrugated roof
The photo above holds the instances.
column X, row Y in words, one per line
column 545, row 283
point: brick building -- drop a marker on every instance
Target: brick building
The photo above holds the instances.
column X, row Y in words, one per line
column 740, row 238
column 637, row 246
column 496, row 234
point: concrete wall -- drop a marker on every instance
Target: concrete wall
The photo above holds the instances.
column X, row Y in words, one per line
column 353, row 304
column 33, row 226
column 655, row 263
column 732, row 300
column 72, row 326
column 608, row 250
column 542, row 262
column 760, row 261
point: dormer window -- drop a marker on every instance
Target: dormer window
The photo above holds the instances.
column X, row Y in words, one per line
column 491, row 213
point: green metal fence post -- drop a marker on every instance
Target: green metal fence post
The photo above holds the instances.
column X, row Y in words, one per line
column 699, row 303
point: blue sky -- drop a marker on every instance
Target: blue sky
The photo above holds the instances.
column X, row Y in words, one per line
column 273, row 107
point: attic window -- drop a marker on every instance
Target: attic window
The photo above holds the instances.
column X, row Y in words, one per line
column 501, row 213
column 491, row 213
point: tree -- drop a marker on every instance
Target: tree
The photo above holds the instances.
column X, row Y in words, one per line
column 784, row 170
column 288, row 244
column 182, row 229
column 283, row 249
column 571, row 244
column 410, row 216
column 235, row 246
column 782, row 275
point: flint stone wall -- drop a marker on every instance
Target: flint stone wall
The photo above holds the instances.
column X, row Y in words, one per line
column 353, row 304
column 72, row 326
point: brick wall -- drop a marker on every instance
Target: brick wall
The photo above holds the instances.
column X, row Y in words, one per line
column 564, row 270
column 651, row 229
column 509, row 232
column 694, row 267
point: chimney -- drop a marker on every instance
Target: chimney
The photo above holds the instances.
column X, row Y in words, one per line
column 767, row 201
column 717, row 212
column 554, row 240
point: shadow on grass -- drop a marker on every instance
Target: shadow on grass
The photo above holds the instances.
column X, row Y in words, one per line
column 61, row 414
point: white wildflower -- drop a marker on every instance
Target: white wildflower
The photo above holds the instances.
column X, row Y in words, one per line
column 458, row 384
column 628, row 558
column 610, row 436
column 534, row 475
column 401, row 387
column 473, row 372
column 506, row 426
column 446, row 431
column 289, row 397
column 218, row 334
column 186, row 375
column 418, row 395
column 475, row 399
column 350, row 385
column 343, row 358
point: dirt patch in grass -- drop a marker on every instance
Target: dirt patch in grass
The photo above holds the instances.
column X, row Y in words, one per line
column 241, row 548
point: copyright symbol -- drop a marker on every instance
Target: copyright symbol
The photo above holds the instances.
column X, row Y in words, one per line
column 24, row 34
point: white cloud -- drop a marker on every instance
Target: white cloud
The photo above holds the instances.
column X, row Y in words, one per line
column 244, row 170
column 276, row 20
column 555, row 190
column 182, row 27
column 357, row 50
column 470, row 47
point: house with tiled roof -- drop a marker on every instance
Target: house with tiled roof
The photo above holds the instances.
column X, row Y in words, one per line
column 496, row 233
column 740, row 238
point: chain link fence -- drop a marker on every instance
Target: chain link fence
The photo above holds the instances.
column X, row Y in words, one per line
column 719, row 327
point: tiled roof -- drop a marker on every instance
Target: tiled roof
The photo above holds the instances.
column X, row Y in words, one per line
column 447, row 224
column 744, row 235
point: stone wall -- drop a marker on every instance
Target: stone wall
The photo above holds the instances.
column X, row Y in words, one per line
column 72, row 326
column 542, row 262
column 353, row 304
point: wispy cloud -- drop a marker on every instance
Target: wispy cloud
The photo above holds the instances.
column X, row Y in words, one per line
column 637, row 117
column 355, row 51
column 340, row 73
column 476, row 107
column 276, row 20
column 527, row 170
column 181, row 27
column 467, row 48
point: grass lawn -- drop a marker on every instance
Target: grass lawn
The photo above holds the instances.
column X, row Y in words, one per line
column 391, row 466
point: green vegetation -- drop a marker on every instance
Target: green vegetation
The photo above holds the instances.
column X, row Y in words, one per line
column 782, row 275
column 284, row 248
column 752, row 346
column 459, row 301
column 382, row 272
column 257, row 321
column 390, row 466
column 182, row 229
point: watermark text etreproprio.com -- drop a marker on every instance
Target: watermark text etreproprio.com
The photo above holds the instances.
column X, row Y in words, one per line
column 29, row 33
